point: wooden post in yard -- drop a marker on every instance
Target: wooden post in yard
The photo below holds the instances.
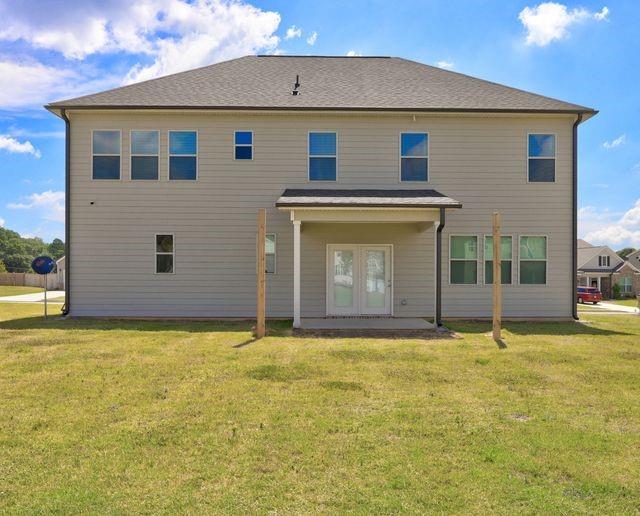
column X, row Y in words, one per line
column 497, row 278
column 261, row 266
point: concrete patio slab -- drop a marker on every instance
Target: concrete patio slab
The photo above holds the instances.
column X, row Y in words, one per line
column 364, row 323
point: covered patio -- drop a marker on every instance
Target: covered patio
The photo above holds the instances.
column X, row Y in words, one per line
column 360, row 277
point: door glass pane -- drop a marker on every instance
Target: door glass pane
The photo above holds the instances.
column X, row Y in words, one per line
column 343, row 279
column 375, row 284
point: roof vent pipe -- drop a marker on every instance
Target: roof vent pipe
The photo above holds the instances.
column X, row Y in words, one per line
column 296, row 86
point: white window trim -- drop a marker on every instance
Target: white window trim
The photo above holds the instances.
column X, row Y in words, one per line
column 555, row 159
column 92, row 154
column 156, row 253
column 132, row 155
column 400, row 156
column 484, row 260
column 275, row 253
column 546, row 261
column 243, row 144
column 461, row 260
column 604, row 260
column 169, row 155
column 309, row 133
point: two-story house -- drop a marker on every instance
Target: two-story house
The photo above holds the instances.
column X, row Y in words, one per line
column 601, row 267
column 380, row 176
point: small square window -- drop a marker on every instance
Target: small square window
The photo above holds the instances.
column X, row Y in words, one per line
column 243, row 141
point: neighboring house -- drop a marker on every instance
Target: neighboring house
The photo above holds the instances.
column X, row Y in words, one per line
column 380, row 176
column 60, row 271
column 634, row 259
column 601, row 267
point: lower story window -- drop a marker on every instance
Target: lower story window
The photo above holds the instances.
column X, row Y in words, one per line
column 463, row 262
column 625, row 283
column 533, row 260
column 505, row 260
column 270, row 253
column 164, row 254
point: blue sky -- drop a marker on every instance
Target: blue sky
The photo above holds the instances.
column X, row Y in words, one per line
column 587, row 53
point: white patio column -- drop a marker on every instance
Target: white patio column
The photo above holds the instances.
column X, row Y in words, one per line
column 296, row 274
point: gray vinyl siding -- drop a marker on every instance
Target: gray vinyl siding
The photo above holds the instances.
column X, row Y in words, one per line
column 480, row 161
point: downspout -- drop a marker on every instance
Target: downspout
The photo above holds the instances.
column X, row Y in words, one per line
column 574, row 272
column 439, row 268
column 67, row 211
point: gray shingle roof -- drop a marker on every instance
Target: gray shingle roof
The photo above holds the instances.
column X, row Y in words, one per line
column 292, row 197
column 328, row 83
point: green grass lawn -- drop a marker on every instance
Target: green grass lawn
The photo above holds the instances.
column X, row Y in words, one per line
column 624, row 302
column 7, row 290
column 130, row 417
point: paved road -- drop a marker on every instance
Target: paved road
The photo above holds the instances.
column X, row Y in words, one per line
column 32, row 298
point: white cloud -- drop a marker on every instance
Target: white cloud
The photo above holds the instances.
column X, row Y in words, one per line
column 620, row 140
column 447, row 65
column 293, row 32
column 610, row 228
column 353, row 53
column 32, row 84
column 13, row 146
column 602, row 14
column 550, row 21
column 167, row 35
column 49, row 204
column 2, row 221
column 205, row 32
column 311, row 40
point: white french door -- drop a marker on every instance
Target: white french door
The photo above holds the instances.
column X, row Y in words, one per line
column 359, row 280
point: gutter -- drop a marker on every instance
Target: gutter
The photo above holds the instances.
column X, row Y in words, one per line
column 439, row 268
column 574, row 272
column 320, row 109
column 67, row 211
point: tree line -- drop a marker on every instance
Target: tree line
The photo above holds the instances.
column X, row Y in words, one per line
column 17, row 252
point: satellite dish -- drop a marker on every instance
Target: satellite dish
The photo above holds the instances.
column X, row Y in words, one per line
column 43, row 265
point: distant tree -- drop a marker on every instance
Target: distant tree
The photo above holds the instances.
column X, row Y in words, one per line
column 56, row 249
column 17, row 252
column 623, row 253
column 2, row 267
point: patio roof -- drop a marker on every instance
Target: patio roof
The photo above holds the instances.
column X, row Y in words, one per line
column 359, row 198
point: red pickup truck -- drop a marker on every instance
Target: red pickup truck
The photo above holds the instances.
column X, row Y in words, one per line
column 589, row 295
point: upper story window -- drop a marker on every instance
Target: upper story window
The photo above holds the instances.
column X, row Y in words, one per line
column 542, row 158
column 506, row 250
column 463, row 260
column 533, row 260
column 106, row 154
column 243, row 145
column 144, row 154
column 183, row 155
column 604, row 261
column 414, row 157
column 322, row 157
